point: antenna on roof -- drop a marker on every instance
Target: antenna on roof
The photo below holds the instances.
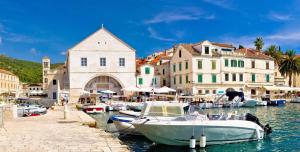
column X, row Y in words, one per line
column 101, row 25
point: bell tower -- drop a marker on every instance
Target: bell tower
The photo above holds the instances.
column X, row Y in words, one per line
column 46, row 70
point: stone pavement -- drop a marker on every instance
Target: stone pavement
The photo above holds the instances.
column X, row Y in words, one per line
column 50, row 133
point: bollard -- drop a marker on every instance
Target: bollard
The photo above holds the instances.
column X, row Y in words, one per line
column 66, row 112
column 15, row 111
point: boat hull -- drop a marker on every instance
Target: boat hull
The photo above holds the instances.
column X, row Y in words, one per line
column 279, row 102
column 124, row 126
column 249, row 103
column 216, row 132
column 261, row 103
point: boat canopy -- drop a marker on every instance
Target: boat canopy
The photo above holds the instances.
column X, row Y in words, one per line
column 163, row 109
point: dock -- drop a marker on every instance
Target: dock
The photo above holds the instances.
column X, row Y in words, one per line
column 52, row 133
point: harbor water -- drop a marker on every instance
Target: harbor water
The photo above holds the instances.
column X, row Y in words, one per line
column 285, row 122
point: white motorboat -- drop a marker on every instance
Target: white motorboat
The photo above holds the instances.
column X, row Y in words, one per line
column 205, row 105
column 178, row 131
column 261, row 103
column 130, row 113
column 156, row 110
column 94, row 109
column 295, row 100
column 248, row 102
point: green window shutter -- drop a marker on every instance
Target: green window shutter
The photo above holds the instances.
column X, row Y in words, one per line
column 174, row 79
column 231, row 63
column 214, row 78
column 187, row 79
column 199, row 64
column 239, row 63
column 147, row 70
column 200, row 78
column 253, row 77
column 213, row 65
column 174, row 67
column 180, row 79
column 226, row 62
column 180, row 66
column 140, row 81
column 242, row 64
column 268, row 78
column 186, row 65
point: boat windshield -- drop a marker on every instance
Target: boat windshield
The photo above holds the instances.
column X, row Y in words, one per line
column 164, row 111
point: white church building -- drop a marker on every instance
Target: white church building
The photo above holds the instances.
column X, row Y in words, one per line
column 99, row 62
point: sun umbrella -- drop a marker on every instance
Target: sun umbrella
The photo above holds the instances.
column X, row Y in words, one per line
column 108, row 92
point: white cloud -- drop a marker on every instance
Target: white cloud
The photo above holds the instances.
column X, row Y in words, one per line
column 154, row 34
column 33, row 51
column 279, row 17
column 179, row 14
column 220, row 3
column 63, row 53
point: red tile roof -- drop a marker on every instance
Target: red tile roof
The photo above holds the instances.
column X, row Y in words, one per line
column 251, row 53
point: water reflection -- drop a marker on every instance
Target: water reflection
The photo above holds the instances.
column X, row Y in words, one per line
column 283, row 120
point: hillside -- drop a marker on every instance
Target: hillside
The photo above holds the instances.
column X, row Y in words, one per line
column 28, row 71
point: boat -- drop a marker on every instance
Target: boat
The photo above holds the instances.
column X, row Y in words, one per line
column 156, row 110
column 276, row 102
column 130, row 113
column 118, row 107
column 248, row 102
column 31, row 109
column 261, row 103
column 94, row 109
column 218, row 129
column 205, row 105
column 136, row 107
column 235, row 99
column 295, row 100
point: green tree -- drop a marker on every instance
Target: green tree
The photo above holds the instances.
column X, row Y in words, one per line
column 289, row 65
column 275, row 53
column 259, row 43
column 241, row 47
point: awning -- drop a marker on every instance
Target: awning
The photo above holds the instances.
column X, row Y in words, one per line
column 279, row 88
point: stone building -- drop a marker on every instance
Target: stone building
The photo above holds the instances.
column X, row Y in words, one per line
column 9, row 84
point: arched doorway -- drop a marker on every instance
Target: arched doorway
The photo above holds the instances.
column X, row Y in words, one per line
column 100, row 83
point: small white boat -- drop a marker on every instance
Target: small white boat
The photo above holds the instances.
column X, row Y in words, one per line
column 178, row 131
column 205, row 105
column 248, row 102
column 261, row 103
column 94, row 109
column 295, row 100
column 123, row 124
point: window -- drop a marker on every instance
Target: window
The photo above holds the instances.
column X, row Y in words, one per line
column 54, row 95
column 199, row 91
column 102, row 61
column 226, row 62
column 206, row 91
column 253, row 64
column 200, row 78
column 226, row 77
column 199, row 64
column 174, row 79
column 147, row 70
column 206, row 50
column 180, row 66
column 179, row 53
column 174, row 67
column 233, row 77
column 253, row 92
column 267, row 91
column 267, row 78
column 242, row 63
column 267, row 65
column 46, row 80
column 54, row 82
column 46, row 65
column 214, row 91
column 253, row 77
column 140, row 81
column 186, row 65
column 213, row 65
column 83, row 61
column 213, row 78
column 241, row 77
column 233, row 63
column 164, row 82
column 163, row 71
column 45, row 73
column 180, row 79
column 187, row 78
column 122, row 62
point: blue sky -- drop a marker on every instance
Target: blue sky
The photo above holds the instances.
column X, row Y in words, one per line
column 33, row 29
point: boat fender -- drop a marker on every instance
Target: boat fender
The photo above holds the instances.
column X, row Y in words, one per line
column 202, row 141
column 192, row 142
column 109, row 121
column 267, row 129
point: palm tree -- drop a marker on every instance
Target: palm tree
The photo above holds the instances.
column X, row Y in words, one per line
column 289, row 65
column 275, row 53
column 259, row 43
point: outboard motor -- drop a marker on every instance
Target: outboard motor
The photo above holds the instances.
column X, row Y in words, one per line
column 266, row 128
